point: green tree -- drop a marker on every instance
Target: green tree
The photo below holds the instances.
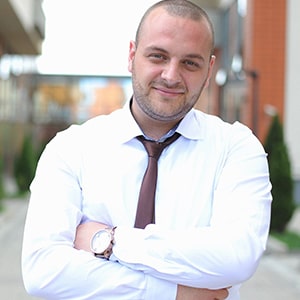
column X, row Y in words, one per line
column 25, row 165
column 2, row 192
column 283, row 204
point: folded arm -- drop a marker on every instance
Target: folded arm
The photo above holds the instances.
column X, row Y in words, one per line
column 82, row 242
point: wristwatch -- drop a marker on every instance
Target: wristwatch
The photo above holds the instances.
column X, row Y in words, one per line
column 102, row 242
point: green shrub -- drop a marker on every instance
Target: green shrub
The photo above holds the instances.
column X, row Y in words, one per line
column 290, row 238
column 283, row 204
column 25, row 165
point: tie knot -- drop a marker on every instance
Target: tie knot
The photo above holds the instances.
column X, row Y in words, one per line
column 154, row 149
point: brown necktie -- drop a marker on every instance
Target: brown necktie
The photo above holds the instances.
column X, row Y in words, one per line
column 145, row 208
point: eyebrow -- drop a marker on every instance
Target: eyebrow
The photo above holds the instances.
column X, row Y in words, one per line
column 192, row 56
column 197, row 56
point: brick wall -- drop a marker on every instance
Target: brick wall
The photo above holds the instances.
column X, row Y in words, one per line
column 265, row 39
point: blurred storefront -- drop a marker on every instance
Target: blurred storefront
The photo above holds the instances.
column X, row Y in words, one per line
column 41, row 105
column 22, row 31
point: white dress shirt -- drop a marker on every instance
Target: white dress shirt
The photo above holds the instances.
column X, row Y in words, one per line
column 212, row 210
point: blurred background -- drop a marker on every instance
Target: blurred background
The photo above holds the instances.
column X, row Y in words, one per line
column 65, row 61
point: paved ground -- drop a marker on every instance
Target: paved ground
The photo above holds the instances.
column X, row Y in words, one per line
column 11, row 234
column 277, row 278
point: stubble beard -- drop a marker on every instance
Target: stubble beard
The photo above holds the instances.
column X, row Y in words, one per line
column 143, row 99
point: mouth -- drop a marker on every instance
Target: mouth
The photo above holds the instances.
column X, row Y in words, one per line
column 170, row 92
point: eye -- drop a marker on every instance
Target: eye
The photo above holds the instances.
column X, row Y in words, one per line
column 191, row 65
column 157, row 57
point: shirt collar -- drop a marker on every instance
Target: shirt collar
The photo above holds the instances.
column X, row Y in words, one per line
column 192, row 125
column 189, row 127
column 129, row 128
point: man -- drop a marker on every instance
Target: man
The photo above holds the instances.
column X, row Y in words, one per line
column 212, row 198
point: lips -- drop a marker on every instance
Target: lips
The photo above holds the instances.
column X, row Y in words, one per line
column 169, row 91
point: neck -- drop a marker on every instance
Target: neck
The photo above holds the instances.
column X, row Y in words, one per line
column 152, row 128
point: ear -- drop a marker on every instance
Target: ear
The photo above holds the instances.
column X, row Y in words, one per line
column 132, row 48
column 211, row 66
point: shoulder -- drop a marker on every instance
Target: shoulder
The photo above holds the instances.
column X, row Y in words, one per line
column 211, row 124
column 95, row 128
column 230, row 134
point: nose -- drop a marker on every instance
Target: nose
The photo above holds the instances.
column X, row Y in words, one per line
column 171, row 73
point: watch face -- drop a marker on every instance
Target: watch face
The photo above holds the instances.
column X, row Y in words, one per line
column 100, row 241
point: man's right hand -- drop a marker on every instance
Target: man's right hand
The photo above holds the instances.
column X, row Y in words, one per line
column 191, row 293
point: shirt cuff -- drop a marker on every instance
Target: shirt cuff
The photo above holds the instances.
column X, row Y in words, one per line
column 155, row 287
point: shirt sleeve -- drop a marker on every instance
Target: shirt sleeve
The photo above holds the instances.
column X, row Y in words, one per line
column 227, row 251
column 51, row 267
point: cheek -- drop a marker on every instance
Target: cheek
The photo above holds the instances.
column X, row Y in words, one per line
column 198, row 83
column 146, row 73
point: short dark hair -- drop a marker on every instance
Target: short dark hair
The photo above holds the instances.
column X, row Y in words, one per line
column 181, row 8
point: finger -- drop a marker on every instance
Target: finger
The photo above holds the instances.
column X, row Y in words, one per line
column 222, row 294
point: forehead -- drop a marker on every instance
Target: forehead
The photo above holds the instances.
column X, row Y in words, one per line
column 160, row 27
